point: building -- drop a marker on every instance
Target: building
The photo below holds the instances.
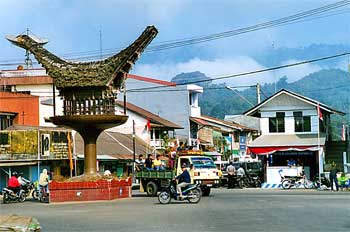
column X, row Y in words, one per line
column 18, row 109
column 291, row 130
column 156, row 131
column 33, row 82
column 29, row 149
column 180, row 104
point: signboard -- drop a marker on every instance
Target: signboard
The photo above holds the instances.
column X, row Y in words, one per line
column 45, row 144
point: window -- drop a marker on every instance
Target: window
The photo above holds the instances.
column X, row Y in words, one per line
column 4, row 139
column 301, row 123
column 59, row 137
column 276, row 124
column 6, row 121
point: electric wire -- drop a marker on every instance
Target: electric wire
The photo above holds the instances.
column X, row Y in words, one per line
column 249, row 72
column 200, row 39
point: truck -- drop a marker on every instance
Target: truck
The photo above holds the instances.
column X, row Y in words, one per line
column 204, row 172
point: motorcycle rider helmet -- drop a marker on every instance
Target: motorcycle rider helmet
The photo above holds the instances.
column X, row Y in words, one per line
column 15, row 174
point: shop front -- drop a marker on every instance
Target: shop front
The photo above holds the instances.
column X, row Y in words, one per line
column 289, row 155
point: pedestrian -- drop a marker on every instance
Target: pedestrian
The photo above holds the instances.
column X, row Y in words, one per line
column 333, row 176
column 342, row 181
column 43, row 182
column 231, row 173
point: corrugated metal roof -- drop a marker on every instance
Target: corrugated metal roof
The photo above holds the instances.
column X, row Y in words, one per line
column 115, row 145
column 282, row 140
column 225, row 123
column 154, row 119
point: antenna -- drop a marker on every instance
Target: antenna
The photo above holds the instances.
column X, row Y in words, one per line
column 28, row 61
column 100, row 43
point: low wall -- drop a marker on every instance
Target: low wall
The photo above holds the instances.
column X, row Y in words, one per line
column 90, row 191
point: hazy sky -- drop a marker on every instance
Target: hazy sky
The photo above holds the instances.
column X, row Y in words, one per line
column 73, row 28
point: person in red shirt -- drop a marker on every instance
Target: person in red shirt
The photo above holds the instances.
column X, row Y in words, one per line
column 13, row 183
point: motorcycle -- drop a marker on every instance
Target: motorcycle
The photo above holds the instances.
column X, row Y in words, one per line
column 10, row 196
column 29, row 189
column 249, row 180
column 325, row 183
column 297, row 182
column 192, row 193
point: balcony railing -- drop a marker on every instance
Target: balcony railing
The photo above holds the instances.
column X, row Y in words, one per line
column 157, row 143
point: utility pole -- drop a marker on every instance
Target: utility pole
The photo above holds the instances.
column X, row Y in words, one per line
column 133, row 149
column 258, row 93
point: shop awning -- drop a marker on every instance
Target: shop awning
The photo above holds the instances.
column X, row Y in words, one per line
column 268, row 144
column 12, row 164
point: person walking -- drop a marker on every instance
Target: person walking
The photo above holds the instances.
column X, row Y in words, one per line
column 333, row 176
column 231, row 173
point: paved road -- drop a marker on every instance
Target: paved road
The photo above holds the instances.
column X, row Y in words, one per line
column 224, row 210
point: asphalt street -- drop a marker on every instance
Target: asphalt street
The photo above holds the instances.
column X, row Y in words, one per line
column 224, row 210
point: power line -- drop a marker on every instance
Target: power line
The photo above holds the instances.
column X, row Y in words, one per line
column 200, row 39
column 251, row 72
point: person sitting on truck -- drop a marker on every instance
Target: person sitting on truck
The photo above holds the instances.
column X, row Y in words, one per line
column 184, row 179
column 140, row 163
column 171, row 160
column 149, row 162
column 157, row 164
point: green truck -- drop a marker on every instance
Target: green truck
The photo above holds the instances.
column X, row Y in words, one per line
column 204, row 172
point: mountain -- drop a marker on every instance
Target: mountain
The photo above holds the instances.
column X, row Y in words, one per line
column 280, row 55
column 199, row 77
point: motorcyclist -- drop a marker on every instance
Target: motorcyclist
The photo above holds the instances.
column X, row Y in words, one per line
column 13, row 183
column 184, row 179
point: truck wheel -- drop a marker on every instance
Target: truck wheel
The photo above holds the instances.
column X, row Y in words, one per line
column 151, row 189
column 205, row 191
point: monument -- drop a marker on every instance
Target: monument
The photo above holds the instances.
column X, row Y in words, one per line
column 88, row 89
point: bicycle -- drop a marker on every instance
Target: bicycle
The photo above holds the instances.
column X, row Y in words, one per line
column 44, row 195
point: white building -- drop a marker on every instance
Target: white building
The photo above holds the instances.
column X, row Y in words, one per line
column 34, row 82
column 291, row 130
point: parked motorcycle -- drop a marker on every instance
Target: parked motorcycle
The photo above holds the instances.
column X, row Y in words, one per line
column 29, row 189
column 297, row 182
column 192, row 193
column 11, row 196
column 324, row 182
column 249, row 180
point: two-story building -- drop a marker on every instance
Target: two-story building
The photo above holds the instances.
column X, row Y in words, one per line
column 292, row 132
column 180, row 104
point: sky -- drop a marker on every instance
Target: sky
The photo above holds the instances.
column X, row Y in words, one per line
column 73, row 29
